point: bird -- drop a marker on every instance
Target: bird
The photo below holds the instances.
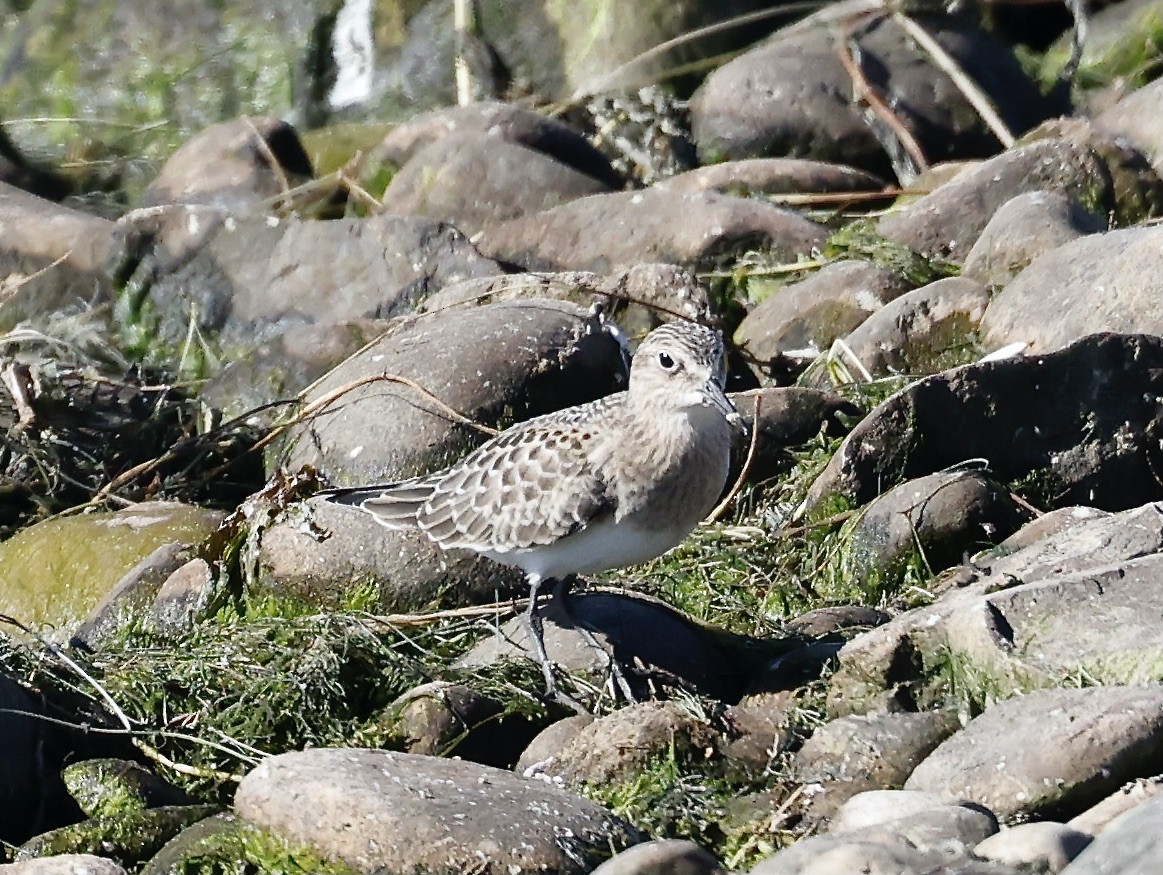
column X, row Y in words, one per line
column 614, row 482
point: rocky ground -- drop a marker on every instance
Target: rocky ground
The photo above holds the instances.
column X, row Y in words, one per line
column 922, row 633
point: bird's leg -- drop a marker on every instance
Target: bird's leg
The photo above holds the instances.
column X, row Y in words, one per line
column 536, row 631
column 561, row 592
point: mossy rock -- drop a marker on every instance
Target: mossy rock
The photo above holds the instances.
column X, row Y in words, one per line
column 54, row 572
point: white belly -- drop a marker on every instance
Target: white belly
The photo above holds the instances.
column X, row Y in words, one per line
column 598, row 547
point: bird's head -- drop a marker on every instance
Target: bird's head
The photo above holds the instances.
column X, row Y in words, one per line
column 679, row 366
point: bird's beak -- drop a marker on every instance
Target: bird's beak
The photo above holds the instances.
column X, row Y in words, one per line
column 714, row 397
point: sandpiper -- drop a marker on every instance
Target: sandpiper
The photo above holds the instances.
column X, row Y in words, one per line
column 614, row 482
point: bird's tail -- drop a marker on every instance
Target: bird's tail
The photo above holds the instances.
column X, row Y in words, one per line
column 396, row 505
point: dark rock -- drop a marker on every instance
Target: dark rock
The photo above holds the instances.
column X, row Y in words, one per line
column 1136, row 119
column 320, row 554
column 637, row 298
column 662, row 857
column 615, row 747
column 805, row 317
column 774, row 176
column 32, row 795
column 18, row 171
column 243, row 280
column 788, row 417
column 507, row 123
column 1052, row 417
column 500, row 361
column 1103, row 282
column 1076, row 601
column 948, row 222
column 609, row 231
column 1024, row 228
column 792, row 96
column 420, row 813
column 1131, row 845
column 542, row 752
column 652, row 643
column 474, row 181
column 113, row 787
column 51, row 257
column 937, row 519
column 1090, row 741
column 276, row 368
column 445, row 719
column 835, row 618
column 923, row 331
column 1044, row 846
column 854, row 754
column 131, row 597
column 235, row 165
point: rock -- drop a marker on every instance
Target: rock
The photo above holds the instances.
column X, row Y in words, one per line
column 934, row 840
column 615, row 747
column 805, row 317
column 242, row 279
column 541, row 753
column 876, row 807
column 774, row 176
column 445, row 719
column 823, row 621
column 131, row 597
column 20, row 172
column 791, row 95
column 1131, row 845
column 218, row 838
column 1051, row 418
column 789, row 417
column 1022, row 229
column 948, row 222
column 1074, row 602
column 321, row 554
column 1045, row 846
column 1090, row 741
column 504, row 122
column 50, row 257
column 952, row 828
column 425, row 813
column 276, row 368
column 57, row 570
column 511, row 359
column 1135, row 119
column 854, row 754
column 474, row 181
column 635, row 297
column 64, row 864
column 923, row 331
column 609, row 231
column 935, row 520
column 1096, row 818
column 131, row 836
column 236, row 165
column 652, row 643
column 1063, row 284
column 113, row 788
column 182, row 599
column 662, row 857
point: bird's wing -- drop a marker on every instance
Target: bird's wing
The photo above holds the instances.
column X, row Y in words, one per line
column 532, row 484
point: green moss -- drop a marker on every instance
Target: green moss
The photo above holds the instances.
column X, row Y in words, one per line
column 859, row 240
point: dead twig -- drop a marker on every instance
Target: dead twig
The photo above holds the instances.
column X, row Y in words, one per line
column 742, row 478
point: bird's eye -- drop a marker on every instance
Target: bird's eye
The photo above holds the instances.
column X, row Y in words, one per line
column 666, row 361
